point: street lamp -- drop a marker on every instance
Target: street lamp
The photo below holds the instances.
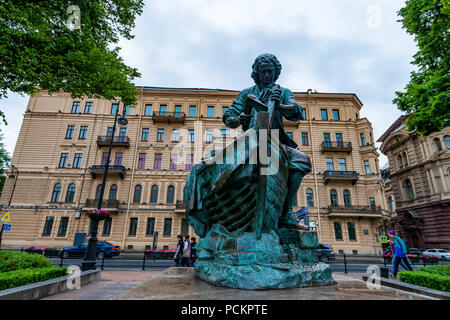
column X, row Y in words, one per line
column 90, row 257
column 8, row 209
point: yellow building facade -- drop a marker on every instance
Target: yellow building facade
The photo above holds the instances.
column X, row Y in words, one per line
column 62, row 146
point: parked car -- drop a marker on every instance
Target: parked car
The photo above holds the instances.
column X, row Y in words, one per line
column 325, row 253
column 440, row 253
column 415, row 251
column 104, row 249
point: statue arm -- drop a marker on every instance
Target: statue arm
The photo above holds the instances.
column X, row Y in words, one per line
column 231, row 117
column 290, row 109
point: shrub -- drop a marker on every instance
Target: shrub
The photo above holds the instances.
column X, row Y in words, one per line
column 443, row 270
column 10, row 261
column 426, row 279
column 23, row 277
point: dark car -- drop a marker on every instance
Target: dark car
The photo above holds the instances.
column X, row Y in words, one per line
column 325, row 253
column 104, row 249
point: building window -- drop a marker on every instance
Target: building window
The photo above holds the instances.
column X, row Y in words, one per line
column 372, row 202
column 324, row 114
column 88, row 107
column 170, row 194
column 62, row 231
column 339, row 140
column 438, row 144
column 184, row 226
column 104, row 158
column 114, row 108
column 56, row 192
column 224, row 109
column 173, row 162
column 109, row 132
column 48, row 226
column 76, row 107
column 447, row 142
column 330, row 165
column 133, row 227
column 347, row 198
column 113, row 192
column 70, row 192
column 190, row 135
column 177, row 113
column 405, row 159
column 409, row 189
column 137, row 194
column 351, row 231
column 154, row 194
column 148, row 110
column 336, row 114
column 83, row 132
column 192, row 111
column 333, row 198
column 392, row 203
column 162, row 110
column 97, row 192
column 141, row 161
column 122, row 134
column 338, row 231
column 107, row 227
column 69, row 132
column 367, row 166
column 118, row 159
column 160, row 135
column 363, row 140
column 303, row 113
column 63, row 160
column 77, row 160
column 175, row 135
column 189, row 161
column 144, row 135
column 225, row 133
column 126, row 110
column 326, row 140
column 342, row 165
column 309, row 198
column 158, row 160
column 209, row 136
column 290, row 135
column 399, row 161
column 210, row 112
column 167, row 227
column 150, row 227
column 305, row 138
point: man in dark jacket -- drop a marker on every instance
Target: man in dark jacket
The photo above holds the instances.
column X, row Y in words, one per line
column 179, row 252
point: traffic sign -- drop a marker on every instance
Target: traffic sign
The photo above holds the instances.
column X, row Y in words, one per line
column 6, row 217
column 383, row 239
column 6, row 227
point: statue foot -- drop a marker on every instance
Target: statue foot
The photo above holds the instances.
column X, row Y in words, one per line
column 292, row 222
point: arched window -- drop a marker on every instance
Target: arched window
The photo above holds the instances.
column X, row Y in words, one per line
column 70, row 193
column 97, row 192
column 392, row 203
column 113, row 192
column 447, row 142
column 333, row 197
column 170, row 194
column 347, row 198
column 154, row 194
column 309, row 198
column 137, row 194
column 56, row 192
column 405, row 159
column 438, row 144
column 399, row 161
column 409, row 189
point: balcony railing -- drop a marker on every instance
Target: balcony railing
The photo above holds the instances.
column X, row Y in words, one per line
column 164, row 116
column 100, row 169
column 106, row 204
column 336, row 146
column 120, row 141
column 355, row 209
column 340, row 175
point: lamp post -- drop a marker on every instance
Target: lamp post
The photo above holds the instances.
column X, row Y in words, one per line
column 13, row 169
column 90, row 256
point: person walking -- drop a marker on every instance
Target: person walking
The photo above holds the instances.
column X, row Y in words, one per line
column 179, row 253
column 186, row 262
column 400, row 252
column 193, row 250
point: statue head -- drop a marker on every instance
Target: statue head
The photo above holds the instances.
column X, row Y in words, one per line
column 266, row 69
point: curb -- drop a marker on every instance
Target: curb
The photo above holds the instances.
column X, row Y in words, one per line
column 412, row 288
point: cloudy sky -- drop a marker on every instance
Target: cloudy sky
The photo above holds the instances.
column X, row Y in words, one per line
column 351, row 46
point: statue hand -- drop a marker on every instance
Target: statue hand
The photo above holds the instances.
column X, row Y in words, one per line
column 245, row 119
column 276, row 94
column 232, row 122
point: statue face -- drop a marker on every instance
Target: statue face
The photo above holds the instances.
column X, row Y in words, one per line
column 266, row 75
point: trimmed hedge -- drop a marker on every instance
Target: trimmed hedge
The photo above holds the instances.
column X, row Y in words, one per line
column 443, row 270
column 23, row 277
column 11, row 260
column 426, row 279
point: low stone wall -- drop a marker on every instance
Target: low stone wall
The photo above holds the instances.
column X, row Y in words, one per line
column 47, row 288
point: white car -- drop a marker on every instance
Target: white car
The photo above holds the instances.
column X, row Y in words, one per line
column 440, row 253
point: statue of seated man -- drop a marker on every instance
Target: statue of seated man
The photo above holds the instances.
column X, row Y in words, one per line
column 266, row 70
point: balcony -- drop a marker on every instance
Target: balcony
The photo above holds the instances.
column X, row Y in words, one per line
column 120, row 141
column 180, row 206
column 110, row 205
column 329, row 175
column 336, row 146
column 113, row 170
column 360, row 211
column 163, row 116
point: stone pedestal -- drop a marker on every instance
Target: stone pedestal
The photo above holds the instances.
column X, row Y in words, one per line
column 286, row 259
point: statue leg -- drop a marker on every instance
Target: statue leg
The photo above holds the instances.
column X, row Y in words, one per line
column 288, row 218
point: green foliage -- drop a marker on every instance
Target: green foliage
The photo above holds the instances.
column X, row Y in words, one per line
column 23, row 277
column 426, row 279
column 4, row 163
column 38, row 50
column 443, row 269
column 10, row 261
column 427, row 95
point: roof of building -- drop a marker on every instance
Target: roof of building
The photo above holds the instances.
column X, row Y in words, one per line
column 394, row 127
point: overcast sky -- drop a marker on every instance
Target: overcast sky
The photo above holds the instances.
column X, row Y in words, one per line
column 351, row 46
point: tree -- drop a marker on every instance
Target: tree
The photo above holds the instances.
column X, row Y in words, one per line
column 427, row 95
column 41, row 47
column 4, row 163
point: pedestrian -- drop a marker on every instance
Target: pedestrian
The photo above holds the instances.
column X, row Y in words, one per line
column 193, row 250
column 179, row 253
column 400, row 252
column 186, row 262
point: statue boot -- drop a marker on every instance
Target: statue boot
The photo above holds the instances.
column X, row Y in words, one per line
column 289, row 218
